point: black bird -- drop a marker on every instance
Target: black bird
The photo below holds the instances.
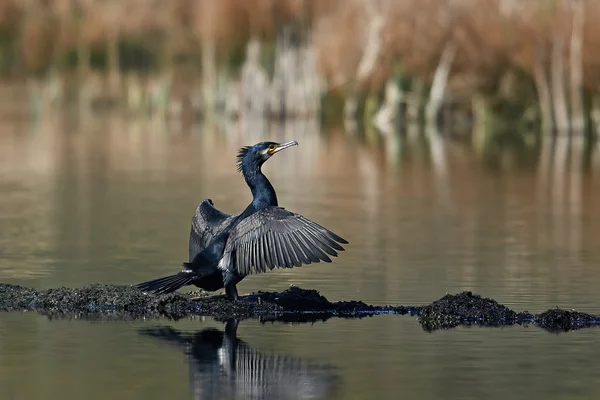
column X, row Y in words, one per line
column 222, row 366
column 224, row 249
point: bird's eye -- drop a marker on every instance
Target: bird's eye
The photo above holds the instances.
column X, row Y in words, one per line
column 271, row 147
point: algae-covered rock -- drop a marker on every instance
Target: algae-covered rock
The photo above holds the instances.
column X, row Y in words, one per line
column 121, row 302
column 556, row 320
column 465, row 308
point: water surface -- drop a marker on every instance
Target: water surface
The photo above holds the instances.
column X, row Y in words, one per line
column 104, row 200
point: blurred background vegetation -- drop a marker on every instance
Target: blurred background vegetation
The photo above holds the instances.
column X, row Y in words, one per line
column 456, row 65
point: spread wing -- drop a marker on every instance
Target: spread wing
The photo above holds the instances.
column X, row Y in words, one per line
column 207, row 223
column 276, row 238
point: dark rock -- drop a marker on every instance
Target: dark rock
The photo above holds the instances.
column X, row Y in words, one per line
column 14, row 297
column 466, row 307
column 294, row 299
column 557, row 320
column 114, row 302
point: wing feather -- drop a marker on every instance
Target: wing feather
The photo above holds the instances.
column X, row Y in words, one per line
column 308, row 256
column 277, row 238
column 207, row 223
column 267, row 251
column 289, row 245
column 262, row 257
column 281, row 253
column 253, row 251
column 273, row 251
column 323, row 235
column 312, row 241
column 249, row 256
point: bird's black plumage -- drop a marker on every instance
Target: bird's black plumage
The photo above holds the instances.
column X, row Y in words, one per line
column 224, row 248
column 207, row 223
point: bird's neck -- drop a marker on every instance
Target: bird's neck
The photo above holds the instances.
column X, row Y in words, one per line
column 263, row 194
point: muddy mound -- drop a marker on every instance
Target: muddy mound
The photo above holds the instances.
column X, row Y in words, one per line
column 110, row 300
column 114, row 301
column 558, row 320
column 120, row 302
column 465, row 308
column 295, row 299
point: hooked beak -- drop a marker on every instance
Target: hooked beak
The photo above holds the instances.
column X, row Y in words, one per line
column 284, row 146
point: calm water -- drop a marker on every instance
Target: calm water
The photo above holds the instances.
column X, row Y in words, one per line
column 102, row 200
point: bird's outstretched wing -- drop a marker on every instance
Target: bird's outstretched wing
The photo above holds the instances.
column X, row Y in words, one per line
column 207, row 223
column 276, row 238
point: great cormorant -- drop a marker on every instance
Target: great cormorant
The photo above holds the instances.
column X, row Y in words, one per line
column 224, row 249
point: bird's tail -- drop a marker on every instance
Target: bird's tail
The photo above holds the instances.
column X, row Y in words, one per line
column 167, row 284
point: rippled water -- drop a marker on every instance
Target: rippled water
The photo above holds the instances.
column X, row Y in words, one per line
column 108, row 201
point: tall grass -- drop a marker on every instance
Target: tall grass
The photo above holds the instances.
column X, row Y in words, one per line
column 533, row 62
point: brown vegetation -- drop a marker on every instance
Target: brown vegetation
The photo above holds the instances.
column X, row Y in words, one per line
column 536, row 58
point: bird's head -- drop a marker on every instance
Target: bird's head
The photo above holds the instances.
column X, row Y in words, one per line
column 252, row 157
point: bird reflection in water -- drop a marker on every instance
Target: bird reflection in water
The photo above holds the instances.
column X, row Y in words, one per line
column 223, row 366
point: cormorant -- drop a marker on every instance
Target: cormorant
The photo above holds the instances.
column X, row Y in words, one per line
column 224, row 249
column 222, row 366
